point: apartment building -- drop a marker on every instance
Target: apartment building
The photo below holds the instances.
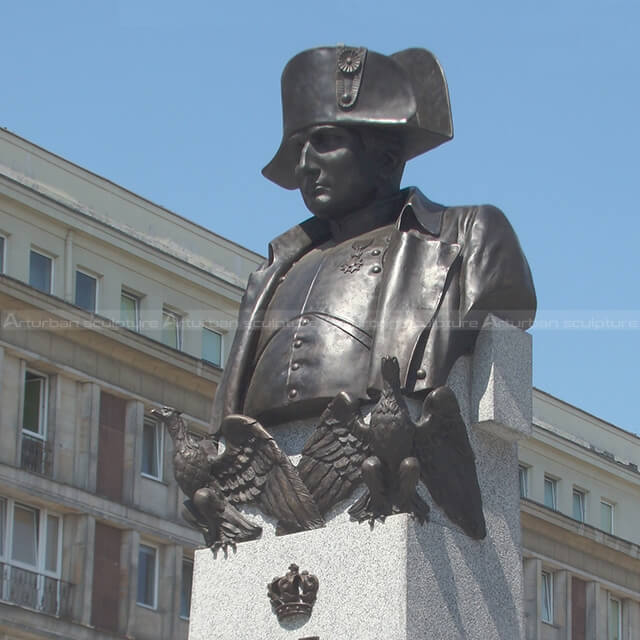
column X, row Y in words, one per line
column 110, row 306
column 580, row 515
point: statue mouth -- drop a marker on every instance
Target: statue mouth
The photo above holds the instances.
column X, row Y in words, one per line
column 310, row 188
column 320, row 190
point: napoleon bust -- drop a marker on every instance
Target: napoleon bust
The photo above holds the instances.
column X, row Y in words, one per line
column 377, row 270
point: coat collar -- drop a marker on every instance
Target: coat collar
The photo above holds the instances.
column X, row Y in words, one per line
column 417, row 212
column 420, row 212
column 297, row 240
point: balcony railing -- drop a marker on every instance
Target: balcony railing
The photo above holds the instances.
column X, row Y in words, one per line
column 36, row 455
column 35, row 591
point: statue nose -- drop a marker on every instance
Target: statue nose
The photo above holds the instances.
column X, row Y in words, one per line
column 306, row 161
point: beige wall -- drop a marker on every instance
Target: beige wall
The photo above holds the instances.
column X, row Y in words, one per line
column 150, row 508
column 584, row 428
column 579, row 451
column 567, row 445
column 74, row 187
column 84, row 221
column 154, row 281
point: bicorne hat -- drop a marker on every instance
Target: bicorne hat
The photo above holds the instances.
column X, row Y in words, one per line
column 352, row 86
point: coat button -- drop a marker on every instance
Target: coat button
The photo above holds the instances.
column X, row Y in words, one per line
column 376, row 268
column 304, row 322
column 421, row 374
column 297, row 343
column 282, row 278
column 375, row 252
column 293, row 393
column 295, row 366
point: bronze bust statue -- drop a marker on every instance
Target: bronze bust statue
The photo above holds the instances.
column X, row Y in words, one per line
column 371, row 300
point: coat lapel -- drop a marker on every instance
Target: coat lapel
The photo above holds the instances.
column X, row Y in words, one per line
column 416, row 268
column 416, row 261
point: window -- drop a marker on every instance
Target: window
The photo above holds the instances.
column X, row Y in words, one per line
column 25, row 535
column 550, row 492
column 212, row 347
column 185, row 588
column 546, row 597
column 523, row 477
column 606, row 516
column 152, row 441
column 2, row 253
column 147, row 576
column 171, row 329
column 40, row 271
column 615, row 619
column 129, row 310
column 30, row 530
column 31, row 549
column 36, row 452
column 86, row 291
column 578, row 505
column 34, row 411
column 3, row 525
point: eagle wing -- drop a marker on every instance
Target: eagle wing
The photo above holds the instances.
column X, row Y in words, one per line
column 332, row 457
column 254, row 469
column 447, row 462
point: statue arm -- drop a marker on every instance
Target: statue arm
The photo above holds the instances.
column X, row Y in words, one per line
column 228, row 397
column 495, row 275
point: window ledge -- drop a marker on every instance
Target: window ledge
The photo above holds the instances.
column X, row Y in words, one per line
column 33, row 434
column 154, row 478
column 147, row 606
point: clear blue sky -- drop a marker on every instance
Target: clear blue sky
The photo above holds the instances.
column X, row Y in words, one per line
column 179, row 102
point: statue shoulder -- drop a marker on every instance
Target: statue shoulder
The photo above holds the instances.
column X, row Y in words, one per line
column 476, row 223
column 297, row 240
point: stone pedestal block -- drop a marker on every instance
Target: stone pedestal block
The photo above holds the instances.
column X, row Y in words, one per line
column 501, row 381
column 398, row 580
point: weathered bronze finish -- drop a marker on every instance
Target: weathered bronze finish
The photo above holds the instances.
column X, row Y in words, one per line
column 369, row 302
column 294, row 593
column 406, row 91
column 391, row 454
column 377, row 271
column 251, row 468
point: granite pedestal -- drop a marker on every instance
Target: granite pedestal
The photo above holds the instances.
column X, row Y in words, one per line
column 398, row 580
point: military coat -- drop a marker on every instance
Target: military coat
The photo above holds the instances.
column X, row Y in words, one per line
column 444, row 270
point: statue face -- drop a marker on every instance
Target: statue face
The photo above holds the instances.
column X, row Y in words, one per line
column 336, row 173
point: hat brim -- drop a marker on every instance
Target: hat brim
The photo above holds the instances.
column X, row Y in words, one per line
column 416, row 141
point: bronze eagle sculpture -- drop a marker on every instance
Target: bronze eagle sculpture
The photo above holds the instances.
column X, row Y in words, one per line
column 389, row 453
column 251, row 469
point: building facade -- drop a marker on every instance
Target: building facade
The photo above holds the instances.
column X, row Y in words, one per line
column 111, row 306
column 580, row 515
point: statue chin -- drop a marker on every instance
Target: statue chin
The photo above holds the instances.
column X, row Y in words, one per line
column 322, row 206
column 339, row 200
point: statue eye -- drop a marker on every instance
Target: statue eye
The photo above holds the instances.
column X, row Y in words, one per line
column 324, row 141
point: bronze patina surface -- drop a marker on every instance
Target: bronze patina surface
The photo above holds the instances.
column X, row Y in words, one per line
column 367, row 303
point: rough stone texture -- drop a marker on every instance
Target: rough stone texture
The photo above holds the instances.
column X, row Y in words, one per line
column 501, row 386
column 399, row 580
